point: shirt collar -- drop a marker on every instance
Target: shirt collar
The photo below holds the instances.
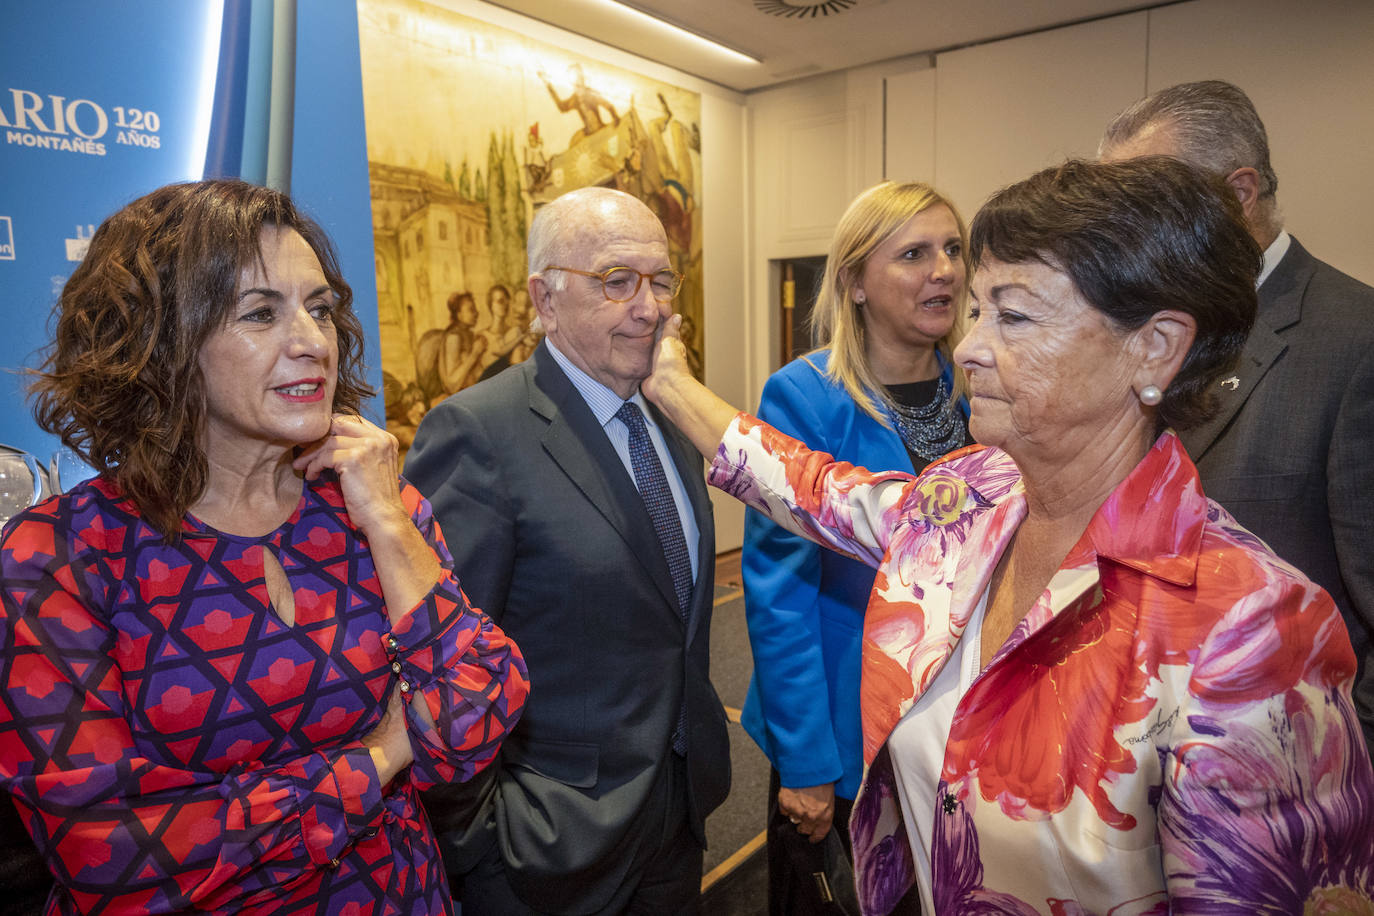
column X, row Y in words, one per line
column 1273, row 255
column 603, row 401
column 1154, row 518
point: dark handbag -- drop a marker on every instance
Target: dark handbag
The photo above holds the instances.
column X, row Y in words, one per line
column 828, row 866
column 24, row 877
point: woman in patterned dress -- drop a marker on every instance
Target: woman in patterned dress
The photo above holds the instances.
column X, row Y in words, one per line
column 1085, row 688
column 232, row 660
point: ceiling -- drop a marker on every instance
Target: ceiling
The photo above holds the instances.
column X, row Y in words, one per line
column 799, row 38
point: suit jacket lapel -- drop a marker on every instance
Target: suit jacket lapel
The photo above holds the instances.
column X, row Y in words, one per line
column 1280, row 306
column 579, row 446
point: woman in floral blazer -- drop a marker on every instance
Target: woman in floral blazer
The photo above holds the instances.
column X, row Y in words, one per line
column 1085, row 688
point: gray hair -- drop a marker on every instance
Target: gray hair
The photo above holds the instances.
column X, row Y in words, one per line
column 555, row 227
column 548, row 242
column 1214, row 125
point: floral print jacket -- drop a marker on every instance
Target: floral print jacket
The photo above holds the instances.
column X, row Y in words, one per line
column 1168, row 730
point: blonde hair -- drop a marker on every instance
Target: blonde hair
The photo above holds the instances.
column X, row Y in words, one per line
column 837, row 321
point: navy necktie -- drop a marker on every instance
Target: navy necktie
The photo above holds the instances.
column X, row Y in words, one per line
column 652, row 484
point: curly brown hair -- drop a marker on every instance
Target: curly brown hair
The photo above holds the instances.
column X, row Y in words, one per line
column 121, row 383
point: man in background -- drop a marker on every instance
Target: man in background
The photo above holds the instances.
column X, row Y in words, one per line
column 1291, row 452
column 579, row 520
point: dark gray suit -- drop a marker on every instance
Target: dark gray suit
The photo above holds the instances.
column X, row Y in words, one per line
column 1291, row 454
column 551, row 538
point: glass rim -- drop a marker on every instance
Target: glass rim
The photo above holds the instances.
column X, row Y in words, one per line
column 640, row 277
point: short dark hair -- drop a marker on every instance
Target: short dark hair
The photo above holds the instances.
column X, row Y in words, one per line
column 121, row 383
column 1137, row 237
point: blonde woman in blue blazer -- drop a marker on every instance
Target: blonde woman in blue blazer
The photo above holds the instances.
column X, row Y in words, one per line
column 880, row 391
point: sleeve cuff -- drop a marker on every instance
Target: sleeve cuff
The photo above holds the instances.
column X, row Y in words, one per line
column 337, row 800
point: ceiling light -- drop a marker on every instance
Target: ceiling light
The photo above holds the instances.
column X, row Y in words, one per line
column 678, row 31
column 808, row 8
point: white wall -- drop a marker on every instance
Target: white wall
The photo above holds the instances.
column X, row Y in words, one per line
column 724, row 195
column 1007, row 109
column 991, row 114
column 1309, row 68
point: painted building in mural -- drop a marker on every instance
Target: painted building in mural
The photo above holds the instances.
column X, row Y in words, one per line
column 471, row 129
column 431, row 242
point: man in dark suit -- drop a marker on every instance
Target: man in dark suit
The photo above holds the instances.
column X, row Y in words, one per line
column 599, row 799
column 1291, row 452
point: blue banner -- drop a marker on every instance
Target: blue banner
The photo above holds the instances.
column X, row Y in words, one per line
column 99, row 104
column 329, row 170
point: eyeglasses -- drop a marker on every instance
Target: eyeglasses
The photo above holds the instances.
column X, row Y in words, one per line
column 621, row 284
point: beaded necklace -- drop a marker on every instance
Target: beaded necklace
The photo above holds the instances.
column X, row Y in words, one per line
column 931, row 429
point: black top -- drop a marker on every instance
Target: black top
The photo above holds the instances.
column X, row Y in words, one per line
column 929, row 424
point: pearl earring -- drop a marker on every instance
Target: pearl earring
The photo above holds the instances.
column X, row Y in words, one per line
column 1150, row 395
column 859, row 299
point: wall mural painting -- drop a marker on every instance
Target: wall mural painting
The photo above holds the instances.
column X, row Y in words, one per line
column 470, row 129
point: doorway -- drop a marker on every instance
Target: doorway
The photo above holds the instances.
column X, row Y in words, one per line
column 801, row 283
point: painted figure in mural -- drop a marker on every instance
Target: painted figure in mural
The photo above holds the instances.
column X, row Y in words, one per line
column 677, row 192
column 523, row 318
column 604, row 575
column 234, row 658
column 499, row 332
column 586, row 101
column 881, row 391
column 646, row 167
column 447, row 359
column 1289, row 452
column 537, row 171
column 518, row 340
column 1072, row 658
column 462, row 348
column 405, row 407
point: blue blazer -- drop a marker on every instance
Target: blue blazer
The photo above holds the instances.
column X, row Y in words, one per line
column 804, row 604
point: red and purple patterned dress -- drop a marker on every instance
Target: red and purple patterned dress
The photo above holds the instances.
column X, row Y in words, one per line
column 174, row 746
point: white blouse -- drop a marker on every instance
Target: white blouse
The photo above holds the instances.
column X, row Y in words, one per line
column 917, row 758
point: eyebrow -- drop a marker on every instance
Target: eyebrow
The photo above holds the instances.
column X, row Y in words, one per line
column 260, row 291
column 277, row 296
column 996, row 292
column 952, row 240
column 612, row 265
